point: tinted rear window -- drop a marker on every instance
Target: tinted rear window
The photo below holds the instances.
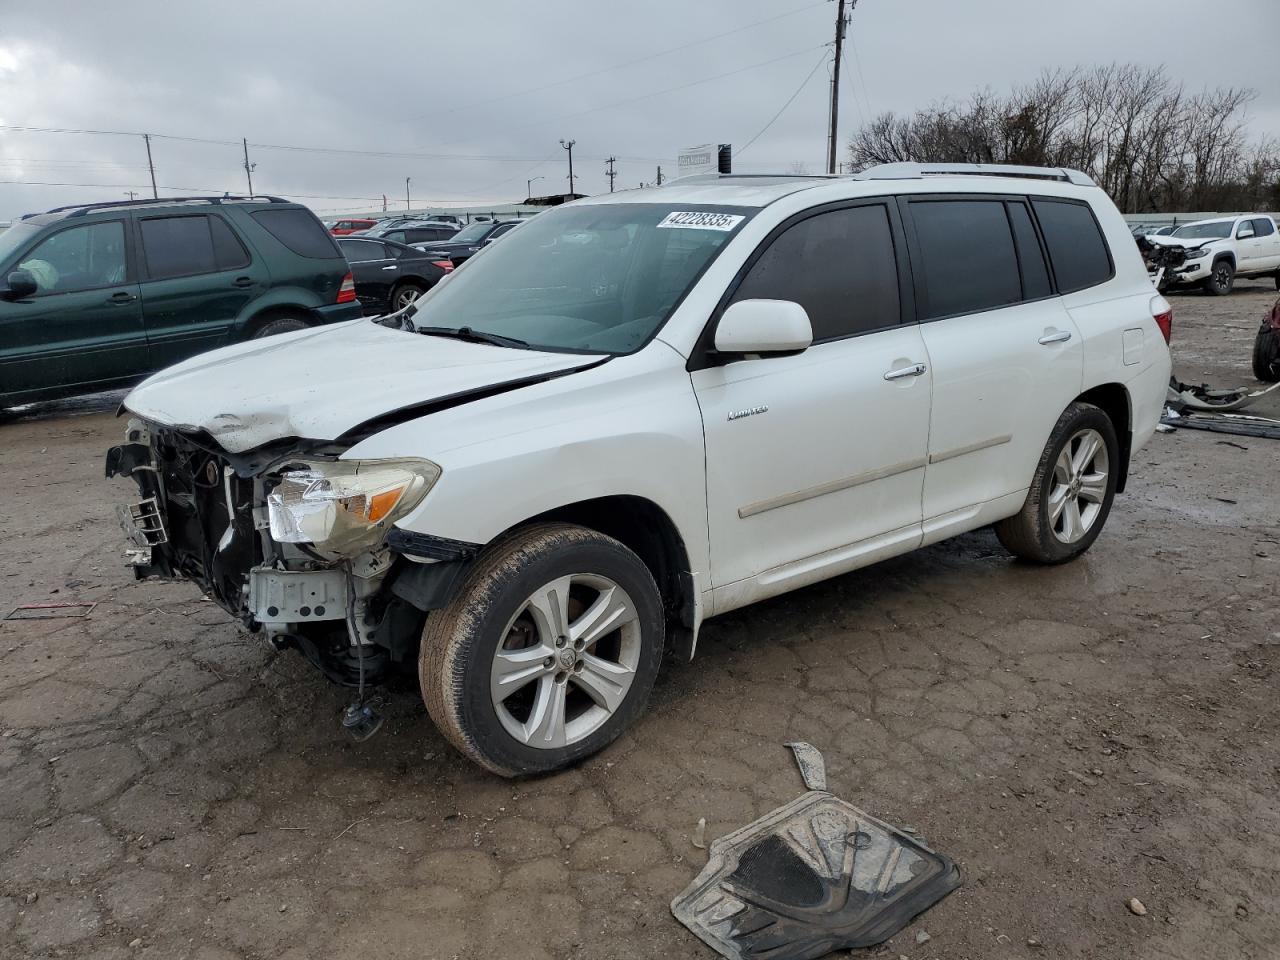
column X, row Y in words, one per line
column 968, row 253
column 1035, row 274
column 1076, row 246
column 1263, row 227
column 189, row 245
column 300, row 231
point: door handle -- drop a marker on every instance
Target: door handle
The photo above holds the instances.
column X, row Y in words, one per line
column 243, row 281
column 1060, row 336
column 122, row 297
column 915, row 370
column 392, row 267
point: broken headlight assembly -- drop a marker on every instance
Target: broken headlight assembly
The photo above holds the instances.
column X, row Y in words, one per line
column 343, row 508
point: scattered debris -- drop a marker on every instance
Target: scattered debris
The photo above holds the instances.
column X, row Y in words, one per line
column 50, row 611
column 1136, row 908
column 32, row 897
column 700, row 834
column 1184, row 396
column 922, row 937
column 812, row 767
column 810, row 877
column 135, row 943
column 1232, row 443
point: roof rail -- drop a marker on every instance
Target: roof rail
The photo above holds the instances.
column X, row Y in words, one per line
column 918, row 171
column 717, row 177
column 82, row 209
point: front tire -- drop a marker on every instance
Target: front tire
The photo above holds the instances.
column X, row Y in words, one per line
column 546, row 653
column 1221, row 280
column 1072, row 492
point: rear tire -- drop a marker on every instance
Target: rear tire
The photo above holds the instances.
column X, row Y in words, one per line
column 1266, row 352
column 279, row 325
column 1071, row 494
column 404, row 295
column 1221, row 279
column 546, row 653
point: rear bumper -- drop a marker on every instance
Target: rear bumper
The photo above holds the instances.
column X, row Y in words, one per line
column 338, row 312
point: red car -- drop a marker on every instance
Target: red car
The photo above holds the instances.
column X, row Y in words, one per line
column 341, row 228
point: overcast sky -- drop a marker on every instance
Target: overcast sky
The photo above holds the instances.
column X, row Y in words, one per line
column 481, row 93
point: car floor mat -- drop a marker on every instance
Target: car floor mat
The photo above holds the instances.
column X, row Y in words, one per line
column 811, row 877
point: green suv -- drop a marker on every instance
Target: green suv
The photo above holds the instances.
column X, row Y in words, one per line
column 97, row 296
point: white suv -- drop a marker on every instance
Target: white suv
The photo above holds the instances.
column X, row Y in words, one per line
column 647, row 408
column 1220, row 250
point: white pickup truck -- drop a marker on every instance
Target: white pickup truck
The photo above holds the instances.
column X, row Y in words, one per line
column 1218, row 251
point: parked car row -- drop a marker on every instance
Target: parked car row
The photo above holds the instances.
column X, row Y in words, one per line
column 388, row 275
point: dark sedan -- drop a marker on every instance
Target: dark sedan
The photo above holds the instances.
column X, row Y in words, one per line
column 414, row 231
column 390, row 276
column 469, row 240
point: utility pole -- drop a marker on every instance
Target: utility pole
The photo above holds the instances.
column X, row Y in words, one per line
column 611, row 173
column 528, row 187
column 406, row 193
column 659, row 176
column 131, row 194
column 568, row 145
column 151, row 166
column 833, row 132
column 384, row 203
column 248, row 167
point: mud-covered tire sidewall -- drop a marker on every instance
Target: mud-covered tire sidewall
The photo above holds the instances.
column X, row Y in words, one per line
column 459, row 642
column 1028, row 534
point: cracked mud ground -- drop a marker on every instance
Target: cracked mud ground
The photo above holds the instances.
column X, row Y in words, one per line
column 1073, row 737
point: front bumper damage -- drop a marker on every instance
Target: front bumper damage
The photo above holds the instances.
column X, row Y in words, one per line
column 202, row 516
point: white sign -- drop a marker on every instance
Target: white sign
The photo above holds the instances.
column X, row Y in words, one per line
column 700, row 159
column 699, row 220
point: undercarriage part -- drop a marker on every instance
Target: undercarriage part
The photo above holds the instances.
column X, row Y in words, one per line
column 1202, row 397
column 334, row 656
column 1239, row 426
column 361, row 721
column 813, row 876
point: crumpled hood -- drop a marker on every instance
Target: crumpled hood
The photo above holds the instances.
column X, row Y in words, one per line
column 1180, row 242
column 320, row 383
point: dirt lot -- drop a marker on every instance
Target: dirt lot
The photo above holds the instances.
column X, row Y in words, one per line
column 1073, row 737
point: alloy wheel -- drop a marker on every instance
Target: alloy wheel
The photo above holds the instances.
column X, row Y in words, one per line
column 1079, row 487
column 566, row 661
column 406, row 297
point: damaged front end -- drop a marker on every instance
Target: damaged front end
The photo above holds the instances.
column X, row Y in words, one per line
column 292, row 541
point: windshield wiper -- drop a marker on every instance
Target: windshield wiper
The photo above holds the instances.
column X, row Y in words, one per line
column 473, row 336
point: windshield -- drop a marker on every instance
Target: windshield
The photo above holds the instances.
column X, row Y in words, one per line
column 599, row 278
column 1213, row 230
column 472, row 232
column 15, row 237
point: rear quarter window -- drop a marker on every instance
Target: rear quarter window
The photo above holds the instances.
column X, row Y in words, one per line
column 300, row 231
column 1077, row 248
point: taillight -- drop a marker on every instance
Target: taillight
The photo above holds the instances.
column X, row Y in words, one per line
column 1162, row 313
column 445, row 265
column 347, row 292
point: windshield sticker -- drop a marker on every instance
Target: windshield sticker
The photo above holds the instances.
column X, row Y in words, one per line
column 693, row 220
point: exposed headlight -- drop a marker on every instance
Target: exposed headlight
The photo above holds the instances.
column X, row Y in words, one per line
column 345, row 507
column 1197, row 254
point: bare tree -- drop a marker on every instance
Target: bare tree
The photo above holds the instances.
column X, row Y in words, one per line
column 1132, row 128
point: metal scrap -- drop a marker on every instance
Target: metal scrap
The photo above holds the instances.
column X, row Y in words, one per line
column 49, row 611
column 815, row 875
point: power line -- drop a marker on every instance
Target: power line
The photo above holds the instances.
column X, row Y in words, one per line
column 803, row 83
column 620, row 66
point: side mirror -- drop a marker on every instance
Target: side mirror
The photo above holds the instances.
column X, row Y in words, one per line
column 19, row 285
column 764, row 326
column 1245, row 232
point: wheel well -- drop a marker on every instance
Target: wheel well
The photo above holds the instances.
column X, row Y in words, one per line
column 284, row 312
column 1113, row 400
column 1229, row 257
column 644, row 528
